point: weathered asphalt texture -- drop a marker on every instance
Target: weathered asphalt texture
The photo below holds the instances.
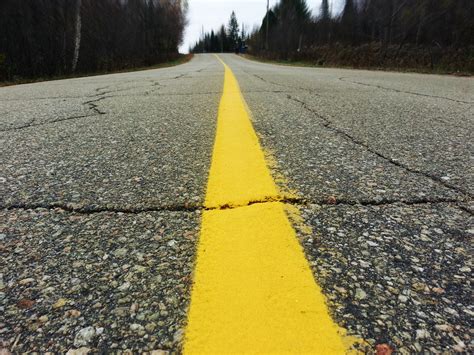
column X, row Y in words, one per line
column 103, row 178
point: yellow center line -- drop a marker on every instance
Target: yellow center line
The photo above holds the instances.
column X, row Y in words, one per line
column 253, row 289
column 238, row 171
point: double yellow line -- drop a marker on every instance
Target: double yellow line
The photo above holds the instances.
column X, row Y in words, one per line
column 253, row 289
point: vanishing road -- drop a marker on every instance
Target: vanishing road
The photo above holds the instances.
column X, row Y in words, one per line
column 347, row 222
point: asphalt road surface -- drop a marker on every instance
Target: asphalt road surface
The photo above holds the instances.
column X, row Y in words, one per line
column 103, row 182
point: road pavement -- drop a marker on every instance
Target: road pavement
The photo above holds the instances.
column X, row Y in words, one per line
column 103, row 181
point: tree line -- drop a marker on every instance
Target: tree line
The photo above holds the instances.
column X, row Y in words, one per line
column 225, row 39
column 60, row 37
column 406, row 33
column 370, row 32
column 439, row 22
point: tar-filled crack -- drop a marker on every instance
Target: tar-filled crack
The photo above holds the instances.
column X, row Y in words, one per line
column 347, row 80
column 190, row 208
column 330, row 125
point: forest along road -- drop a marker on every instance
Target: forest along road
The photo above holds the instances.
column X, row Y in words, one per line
column 103, row 190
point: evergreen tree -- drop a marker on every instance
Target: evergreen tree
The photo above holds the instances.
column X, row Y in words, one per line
column 233, row 30
column 325, row 10
column 293, row 19
column 224, row 42
column 349, row 22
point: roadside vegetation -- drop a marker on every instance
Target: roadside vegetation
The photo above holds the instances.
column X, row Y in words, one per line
column 422, row 35
column 62, row 38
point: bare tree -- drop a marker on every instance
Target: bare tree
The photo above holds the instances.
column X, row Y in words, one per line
column 77, row 36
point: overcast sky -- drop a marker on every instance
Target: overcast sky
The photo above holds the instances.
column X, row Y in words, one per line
column 212, row 13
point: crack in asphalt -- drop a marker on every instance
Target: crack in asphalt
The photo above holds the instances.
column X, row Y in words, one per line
column 346, row 80
column 268, row 91
column 92, row 209
column 179, row 76
column 189, row 94
column 92, row 106
column 331, row 126
column 282, row 85
column 189, row 208
column 32, row 124
column 154, row 83
column 386, row 201
column 100, row 94
column 466, row 209
column 268, row 199
column 155, row 94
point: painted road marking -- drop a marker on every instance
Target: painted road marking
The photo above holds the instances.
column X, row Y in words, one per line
column 253, row 289
column 238, row 171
